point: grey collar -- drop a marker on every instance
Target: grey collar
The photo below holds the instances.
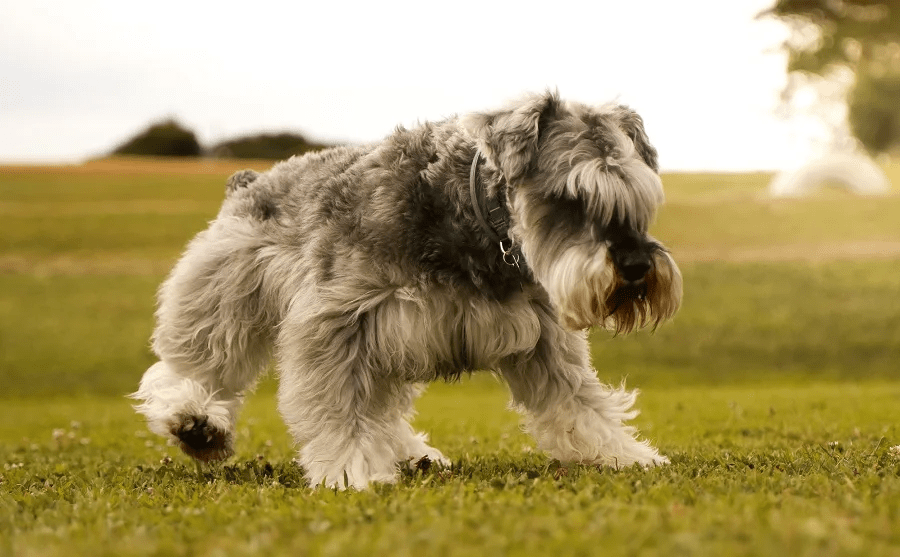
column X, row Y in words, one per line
column 493, row 216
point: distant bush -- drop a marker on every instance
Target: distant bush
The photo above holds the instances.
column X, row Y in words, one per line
column 164, row 139
column 873, row 112
column 265, row 146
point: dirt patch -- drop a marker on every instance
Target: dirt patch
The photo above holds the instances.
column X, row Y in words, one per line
column 118, row 207
column 83, row 266
column 143, row 166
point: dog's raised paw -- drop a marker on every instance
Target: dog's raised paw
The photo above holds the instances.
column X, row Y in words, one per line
column 201, row 440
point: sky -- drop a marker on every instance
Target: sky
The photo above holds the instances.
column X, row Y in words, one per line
column 79, row 77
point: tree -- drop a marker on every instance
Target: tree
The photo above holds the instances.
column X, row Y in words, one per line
column 164, row 139
column 862, row 36
column 266, row 146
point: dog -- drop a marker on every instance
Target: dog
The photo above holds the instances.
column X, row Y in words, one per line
column 487, row 242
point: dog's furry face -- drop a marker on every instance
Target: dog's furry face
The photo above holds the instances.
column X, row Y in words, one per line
column 583, row 191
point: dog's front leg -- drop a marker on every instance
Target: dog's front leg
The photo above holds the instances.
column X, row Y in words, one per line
column 571, row 415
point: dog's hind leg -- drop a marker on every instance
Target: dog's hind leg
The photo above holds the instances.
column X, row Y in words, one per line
column 211, row 341
column 571, row 415
column 346, row 414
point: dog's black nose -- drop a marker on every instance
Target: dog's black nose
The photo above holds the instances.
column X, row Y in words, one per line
column 634, row 268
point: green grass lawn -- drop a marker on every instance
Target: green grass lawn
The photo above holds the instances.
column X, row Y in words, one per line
column 774, row 392
column 755, row 471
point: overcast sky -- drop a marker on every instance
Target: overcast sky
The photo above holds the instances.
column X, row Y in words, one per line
column 78, row 77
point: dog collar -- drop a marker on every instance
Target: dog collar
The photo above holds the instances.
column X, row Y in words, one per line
column 493, row 216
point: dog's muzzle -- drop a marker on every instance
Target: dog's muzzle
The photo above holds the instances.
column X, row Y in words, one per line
column 646, row 288
column 633, row 261
column 632, row 268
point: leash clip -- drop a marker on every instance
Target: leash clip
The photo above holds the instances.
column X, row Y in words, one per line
column 509, row 256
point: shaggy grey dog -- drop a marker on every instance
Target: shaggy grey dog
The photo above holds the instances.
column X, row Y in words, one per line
column 490, row 242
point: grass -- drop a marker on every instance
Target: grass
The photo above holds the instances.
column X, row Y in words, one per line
column 86, row 333
column 755, row 470
column 774, row 393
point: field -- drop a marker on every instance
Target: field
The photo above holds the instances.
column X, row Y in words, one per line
column 774, row 392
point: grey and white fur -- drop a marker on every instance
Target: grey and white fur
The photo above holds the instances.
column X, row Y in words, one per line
column 365, row 272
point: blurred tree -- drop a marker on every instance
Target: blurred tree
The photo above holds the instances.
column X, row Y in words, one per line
column 874, row 113
column 163, row 139
column 863, row 36
column 266, row 146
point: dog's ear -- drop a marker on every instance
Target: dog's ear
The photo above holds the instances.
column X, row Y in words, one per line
column 633, row 126
column 509, row 137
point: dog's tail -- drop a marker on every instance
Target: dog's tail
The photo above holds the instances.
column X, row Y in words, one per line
column 240, row 179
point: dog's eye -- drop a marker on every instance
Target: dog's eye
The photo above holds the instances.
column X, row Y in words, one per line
column 565, row 212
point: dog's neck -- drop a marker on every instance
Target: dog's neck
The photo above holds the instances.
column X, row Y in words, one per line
column 493, row 215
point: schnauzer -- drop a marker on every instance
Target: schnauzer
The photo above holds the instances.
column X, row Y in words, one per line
column 489, row 242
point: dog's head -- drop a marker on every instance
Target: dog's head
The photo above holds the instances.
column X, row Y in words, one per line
column 583, row 189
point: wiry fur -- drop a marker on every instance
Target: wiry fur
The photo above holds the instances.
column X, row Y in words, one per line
column 365, row 272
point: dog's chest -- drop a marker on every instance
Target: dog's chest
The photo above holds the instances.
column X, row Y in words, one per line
column 428, row 335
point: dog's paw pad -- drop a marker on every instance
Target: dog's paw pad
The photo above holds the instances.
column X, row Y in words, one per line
column 201, row 440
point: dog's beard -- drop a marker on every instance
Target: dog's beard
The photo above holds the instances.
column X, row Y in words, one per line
column 631, row 306
column 586, row 290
